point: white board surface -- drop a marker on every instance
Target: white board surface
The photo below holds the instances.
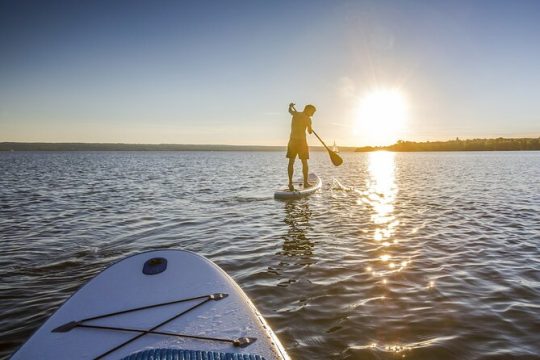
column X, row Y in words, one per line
column 299, row 191
column 123, row 286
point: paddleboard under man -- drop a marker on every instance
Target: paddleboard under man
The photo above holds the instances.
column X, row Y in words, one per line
column 301, row 121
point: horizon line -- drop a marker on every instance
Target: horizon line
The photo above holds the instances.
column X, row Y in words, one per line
column 253, row 145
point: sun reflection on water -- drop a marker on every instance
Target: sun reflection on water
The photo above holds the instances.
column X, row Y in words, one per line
column 381, row 193
column 388, row 260
column 380, row 196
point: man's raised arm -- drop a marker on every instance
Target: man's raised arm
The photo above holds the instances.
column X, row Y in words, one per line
column 292, row 111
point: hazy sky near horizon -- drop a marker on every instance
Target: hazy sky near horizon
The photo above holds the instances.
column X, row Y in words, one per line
column 223, row 72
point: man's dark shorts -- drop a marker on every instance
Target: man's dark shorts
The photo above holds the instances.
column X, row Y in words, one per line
column 298, row 147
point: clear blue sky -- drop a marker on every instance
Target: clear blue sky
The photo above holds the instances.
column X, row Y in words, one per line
column 224, row 72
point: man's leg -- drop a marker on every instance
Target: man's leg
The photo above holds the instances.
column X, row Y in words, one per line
column 305, row 171
column 290, row 169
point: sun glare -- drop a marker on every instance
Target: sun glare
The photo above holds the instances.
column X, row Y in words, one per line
column 382, row 115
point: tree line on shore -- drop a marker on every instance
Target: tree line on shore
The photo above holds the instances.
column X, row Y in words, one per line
column 498, row 144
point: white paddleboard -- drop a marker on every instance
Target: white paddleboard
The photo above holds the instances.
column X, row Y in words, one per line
column 201, row 301
column 299, row 191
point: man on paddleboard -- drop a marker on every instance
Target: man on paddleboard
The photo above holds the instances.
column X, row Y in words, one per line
column 301, row 121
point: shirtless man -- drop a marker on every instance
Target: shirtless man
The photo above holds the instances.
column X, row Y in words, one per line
column 301, row 121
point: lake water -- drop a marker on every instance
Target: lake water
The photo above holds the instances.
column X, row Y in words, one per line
column 401, row 255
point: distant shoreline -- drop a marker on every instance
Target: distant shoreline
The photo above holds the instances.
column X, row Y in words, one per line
column 35, row 146
column 498, row 144
column 39, row 146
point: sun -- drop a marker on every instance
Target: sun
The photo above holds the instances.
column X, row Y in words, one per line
column 382, row 116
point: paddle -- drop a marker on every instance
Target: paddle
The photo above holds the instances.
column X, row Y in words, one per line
column 334, row 157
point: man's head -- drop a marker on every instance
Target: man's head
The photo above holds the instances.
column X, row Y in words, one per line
column 309, row 110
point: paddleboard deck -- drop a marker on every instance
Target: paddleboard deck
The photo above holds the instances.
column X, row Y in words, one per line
column 159, row 302
column 300, row 191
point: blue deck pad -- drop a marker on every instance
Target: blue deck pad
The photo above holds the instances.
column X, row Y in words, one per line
column 179, row 354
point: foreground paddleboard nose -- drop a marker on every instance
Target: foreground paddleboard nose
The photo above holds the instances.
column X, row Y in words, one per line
column 156, row 303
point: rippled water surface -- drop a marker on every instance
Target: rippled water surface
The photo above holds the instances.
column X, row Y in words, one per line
column 406, row 255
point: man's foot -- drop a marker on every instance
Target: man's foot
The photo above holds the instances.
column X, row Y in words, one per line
column 291, row 187
column 307, row 185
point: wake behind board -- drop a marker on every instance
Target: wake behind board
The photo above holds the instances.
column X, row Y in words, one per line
column 165, row 304
column 299, row 191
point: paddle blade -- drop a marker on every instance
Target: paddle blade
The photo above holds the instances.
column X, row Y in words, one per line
column 336, row 159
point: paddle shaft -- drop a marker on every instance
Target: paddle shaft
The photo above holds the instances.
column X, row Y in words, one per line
column 322, row 142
